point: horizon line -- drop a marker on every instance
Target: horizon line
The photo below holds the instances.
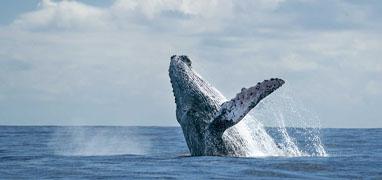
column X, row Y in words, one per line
column 160, row 126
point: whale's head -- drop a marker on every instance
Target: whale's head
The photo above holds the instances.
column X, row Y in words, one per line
column 192, row 93
column 180, row 66
column 180, row 71
column 181, row 60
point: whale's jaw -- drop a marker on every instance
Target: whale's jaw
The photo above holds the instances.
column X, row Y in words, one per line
column 204, row 113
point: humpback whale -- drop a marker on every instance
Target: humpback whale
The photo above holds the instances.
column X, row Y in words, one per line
column 205, row 114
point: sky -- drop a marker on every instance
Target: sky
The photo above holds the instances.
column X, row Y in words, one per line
column 93, row 62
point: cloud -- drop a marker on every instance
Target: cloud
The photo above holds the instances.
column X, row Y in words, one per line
column 295, row 62
column 112, row 61
column 62, row 15
column 152, row 9
column 195, row 16
column 374, row 88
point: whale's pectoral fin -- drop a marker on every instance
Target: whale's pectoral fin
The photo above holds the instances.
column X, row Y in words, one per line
column 233, row 111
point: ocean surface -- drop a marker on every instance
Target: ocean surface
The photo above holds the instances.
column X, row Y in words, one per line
column 161, row 152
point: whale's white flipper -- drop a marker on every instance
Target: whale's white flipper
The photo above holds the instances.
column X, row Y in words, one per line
column 233, row 111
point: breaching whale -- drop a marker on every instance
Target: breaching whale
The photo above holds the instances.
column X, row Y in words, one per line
column 204, row 113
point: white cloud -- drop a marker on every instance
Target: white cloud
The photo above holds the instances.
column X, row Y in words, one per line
column 117, row 57
column 374, row 88
column 295, row 62
column 152, row 9
column 63, row 14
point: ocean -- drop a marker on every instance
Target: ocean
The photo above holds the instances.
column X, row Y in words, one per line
column 95, row 152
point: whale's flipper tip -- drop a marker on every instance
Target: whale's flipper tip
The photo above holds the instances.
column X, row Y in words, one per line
column 233, row 111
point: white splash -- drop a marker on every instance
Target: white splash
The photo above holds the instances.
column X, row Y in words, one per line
column 278, row 109
column 97, row 141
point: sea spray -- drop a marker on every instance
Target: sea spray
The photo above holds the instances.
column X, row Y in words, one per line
column 97, row 141
column 251, row 139
column 278, row 110
column 288, row 110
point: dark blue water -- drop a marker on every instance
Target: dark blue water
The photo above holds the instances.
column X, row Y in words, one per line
column 161, row 152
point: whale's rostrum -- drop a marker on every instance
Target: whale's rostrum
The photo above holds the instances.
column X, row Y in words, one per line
column 204, row 113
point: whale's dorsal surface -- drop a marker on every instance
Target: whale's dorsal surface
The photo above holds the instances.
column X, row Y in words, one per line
column 204, row 113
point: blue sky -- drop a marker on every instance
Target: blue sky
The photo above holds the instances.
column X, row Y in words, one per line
column 105, row 62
